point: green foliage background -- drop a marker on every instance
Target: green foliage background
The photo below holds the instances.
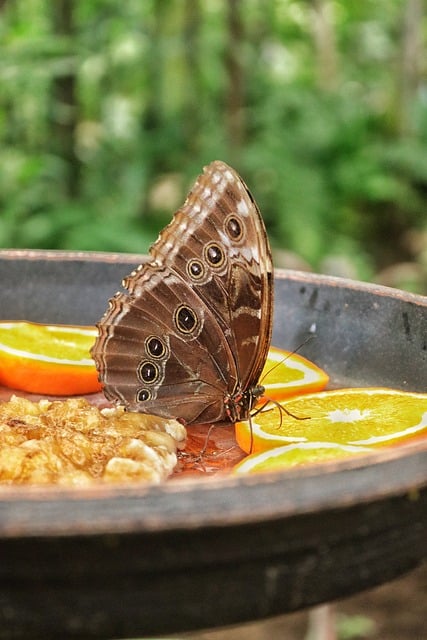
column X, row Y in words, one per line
column 109, row 110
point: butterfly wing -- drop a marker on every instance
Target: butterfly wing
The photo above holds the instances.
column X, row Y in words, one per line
column 194, row 326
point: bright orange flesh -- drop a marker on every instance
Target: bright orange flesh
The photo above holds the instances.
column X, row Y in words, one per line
column 293, row 455
column 47, row 359
column 287, row 374
column 366, row 417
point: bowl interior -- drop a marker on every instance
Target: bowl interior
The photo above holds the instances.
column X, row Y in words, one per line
column 363, row 335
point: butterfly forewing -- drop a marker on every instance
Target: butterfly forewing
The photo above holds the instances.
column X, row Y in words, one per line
column 191, row 334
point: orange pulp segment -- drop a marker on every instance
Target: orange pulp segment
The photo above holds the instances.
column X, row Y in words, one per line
column 287, row 374
column 297, row 454
column 47, row 359
column 366, row 417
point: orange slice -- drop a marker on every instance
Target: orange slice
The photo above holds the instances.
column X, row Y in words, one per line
column 366, row 417
column 47, row 359
column 293, row 455
column 287, row 374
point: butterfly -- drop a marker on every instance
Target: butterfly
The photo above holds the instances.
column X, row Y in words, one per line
column 189, row 336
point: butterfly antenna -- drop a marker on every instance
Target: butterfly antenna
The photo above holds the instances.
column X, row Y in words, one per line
column 281, row 408
column 291, row 353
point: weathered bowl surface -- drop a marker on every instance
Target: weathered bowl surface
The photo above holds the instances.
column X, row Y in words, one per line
column 129, row 561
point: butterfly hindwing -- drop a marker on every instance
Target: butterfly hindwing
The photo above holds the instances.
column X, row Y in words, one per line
column 194, row 327
column 165, row 356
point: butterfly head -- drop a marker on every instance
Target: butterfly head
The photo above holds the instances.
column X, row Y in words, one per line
column 239, row 405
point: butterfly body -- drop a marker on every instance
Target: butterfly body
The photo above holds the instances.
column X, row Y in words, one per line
column 190, row 335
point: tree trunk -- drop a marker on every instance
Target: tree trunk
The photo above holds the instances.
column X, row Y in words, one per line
column 235, row 118
column 193, row 88
column 410, row 62
column 324, row 43
column 65, row 108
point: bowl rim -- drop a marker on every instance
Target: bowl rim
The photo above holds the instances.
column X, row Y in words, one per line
column 279, row 272
column 170, row 505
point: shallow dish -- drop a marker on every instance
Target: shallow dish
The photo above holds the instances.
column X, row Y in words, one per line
column 205, row 552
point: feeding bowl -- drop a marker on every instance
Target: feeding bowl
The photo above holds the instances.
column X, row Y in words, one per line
column 135, row 560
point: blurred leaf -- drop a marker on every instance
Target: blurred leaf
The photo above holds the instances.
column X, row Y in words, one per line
column 94, row 118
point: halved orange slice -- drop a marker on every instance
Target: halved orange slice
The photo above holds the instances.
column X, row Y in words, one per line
column 47, row 359
column 293, row 455
column 287, row 374
column 365, row 417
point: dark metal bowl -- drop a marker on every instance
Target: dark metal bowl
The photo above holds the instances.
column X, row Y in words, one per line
column 128, row 561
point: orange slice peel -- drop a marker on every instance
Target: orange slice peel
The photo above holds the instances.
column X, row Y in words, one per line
column 287, row 374
column 47, row 359
column 365, row 417
column 297, row 454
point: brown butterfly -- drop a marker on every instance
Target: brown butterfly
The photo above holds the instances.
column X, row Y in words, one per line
column 190, row 336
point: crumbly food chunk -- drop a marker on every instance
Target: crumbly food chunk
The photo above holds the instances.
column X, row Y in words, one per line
column 72, row 443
